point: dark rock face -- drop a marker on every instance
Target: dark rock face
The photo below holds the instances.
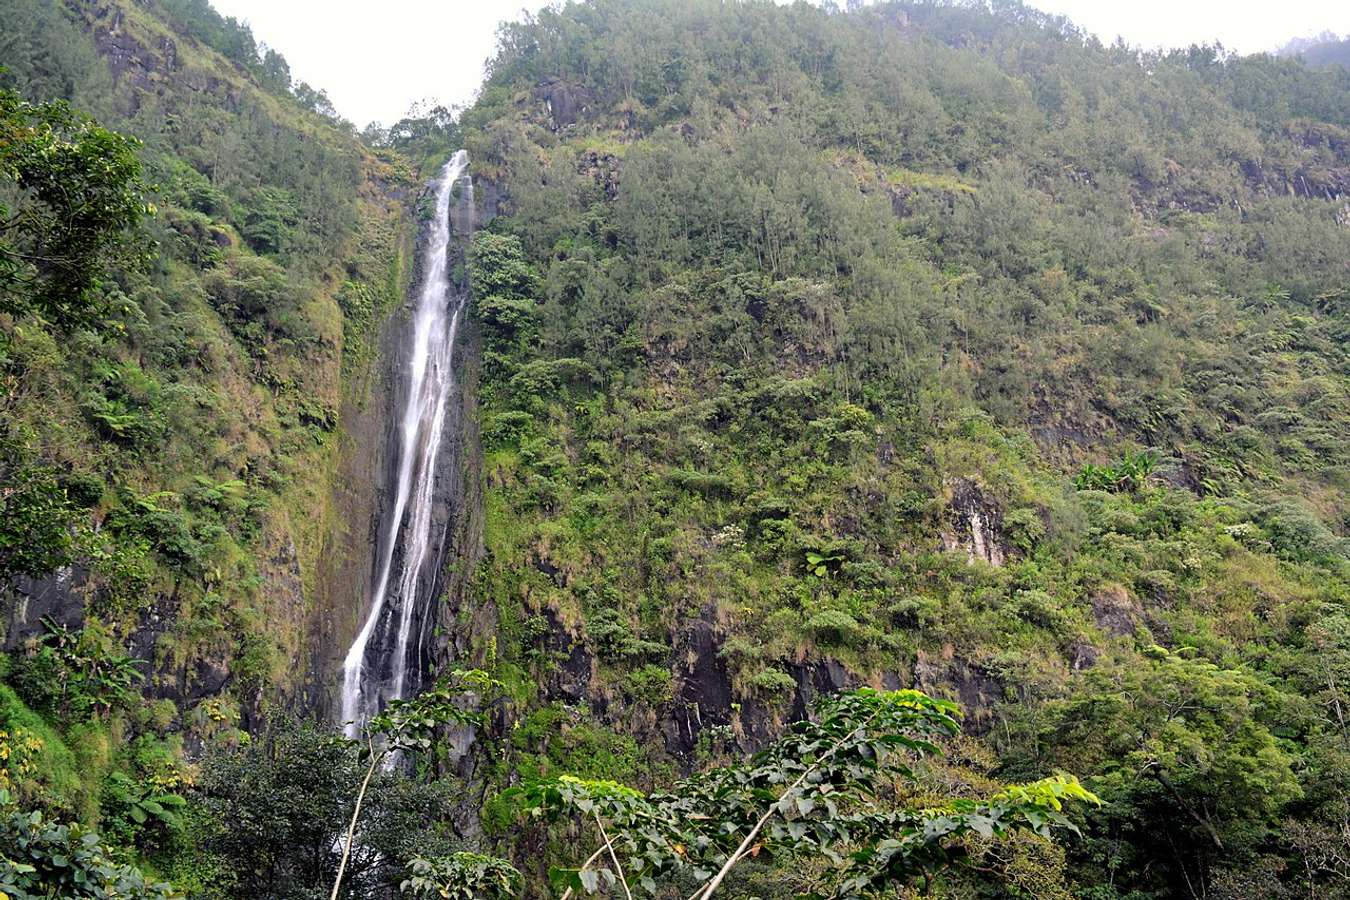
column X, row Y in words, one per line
column 818, row 679
column 703, row 697
column 1321, row 173
column 346, row 563
column 488, row 197
column 975, row 688
column 900, row 207
column 570, row 680
column 148, row 68
column 977, row 522
column 1115, row 612
column 127, row 58
column 603, row 169
column 566, row 102
column 459, row 487
column 1082, row 655
column 27, row 601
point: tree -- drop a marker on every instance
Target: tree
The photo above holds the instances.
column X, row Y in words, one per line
column 818, row 793
column 273, row 813
column 427, row 127
column 1184, row 753
column 412, row 725
column 38, row 521
column 80, row 195
column 276, row 72
column 315, row 100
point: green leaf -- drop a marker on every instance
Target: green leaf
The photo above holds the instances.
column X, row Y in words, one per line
column 590, row 880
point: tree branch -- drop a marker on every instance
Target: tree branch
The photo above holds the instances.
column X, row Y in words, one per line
column 741, row 851
column 609, row 845
column 356, row 813
column 592, row 858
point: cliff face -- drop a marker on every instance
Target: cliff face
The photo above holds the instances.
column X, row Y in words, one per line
column 460, row 620
column 366, row 482
column 360, row 490
column 934, row 347
column 232, row 527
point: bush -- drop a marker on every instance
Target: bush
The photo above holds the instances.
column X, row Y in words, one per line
column 652, row 685
column 37, row 517
column 270, row 224
column 834, row 627
column 40, row 859
column 773, row 683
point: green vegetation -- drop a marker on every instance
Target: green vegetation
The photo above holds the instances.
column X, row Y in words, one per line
column 814, row 792
column 194, row 267
column 930, row 344
column 42, row 859
column 939, row 344
column 79, row 193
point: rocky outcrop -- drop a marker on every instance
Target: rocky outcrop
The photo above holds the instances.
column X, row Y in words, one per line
column 149, row 62
column 703, row 697
column 603, row 169
column 570, row 680
column 976, row 524
column 1317, row 167
column 566, row 101
column 1306, row 182
column 974, row 687
column 458, row 620
column 127, row 57
column 27, row 602
column 359, row 492
column 1115, row 612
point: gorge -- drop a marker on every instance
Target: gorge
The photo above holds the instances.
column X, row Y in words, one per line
column 751, row 450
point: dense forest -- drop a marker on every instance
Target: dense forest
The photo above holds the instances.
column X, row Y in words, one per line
column 906, row 446
column 1325, row 49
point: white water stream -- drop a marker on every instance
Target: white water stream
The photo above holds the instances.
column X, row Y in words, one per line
column 376, row 669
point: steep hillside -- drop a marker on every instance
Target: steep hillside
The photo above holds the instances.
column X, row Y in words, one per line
column 177, row 467
column 927, row 346
column 924, row 345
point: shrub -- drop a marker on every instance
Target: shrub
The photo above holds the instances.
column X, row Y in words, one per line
column 773, row 683
column 651, row 684
column 37, row 517
column 834, row 627
column 40, row 858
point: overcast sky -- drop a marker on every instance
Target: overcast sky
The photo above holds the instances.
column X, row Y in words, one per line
column 376, row 58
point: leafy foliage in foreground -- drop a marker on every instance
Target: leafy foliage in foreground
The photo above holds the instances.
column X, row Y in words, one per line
column 462, row 876
column 40, row 859
column 825, row 789
column 80, row 195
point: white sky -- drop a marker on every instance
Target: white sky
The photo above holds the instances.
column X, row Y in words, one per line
column 376, row 59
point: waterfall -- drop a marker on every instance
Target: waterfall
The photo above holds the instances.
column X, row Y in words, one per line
column 376, row 669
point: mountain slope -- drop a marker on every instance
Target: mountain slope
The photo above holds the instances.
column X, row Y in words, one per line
column 925, row 345
column 920, row 345
column 199, row 441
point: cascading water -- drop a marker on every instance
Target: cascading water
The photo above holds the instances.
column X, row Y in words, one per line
column 376, row 669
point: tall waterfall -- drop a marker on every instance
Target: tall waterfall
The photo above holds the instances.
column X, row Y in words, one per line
column 376, row 669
